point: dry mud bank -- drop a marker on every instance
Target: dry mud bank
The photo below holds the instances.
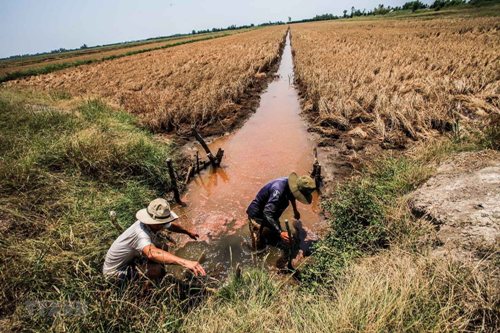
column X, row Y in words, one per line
column 462, row 201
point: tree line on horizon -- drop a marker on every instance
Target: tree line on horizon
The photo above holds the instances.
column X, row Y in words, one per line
column 381, row 9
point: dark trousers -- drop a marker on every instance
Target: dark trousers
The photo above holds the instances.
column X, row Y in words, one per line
column 262, row 233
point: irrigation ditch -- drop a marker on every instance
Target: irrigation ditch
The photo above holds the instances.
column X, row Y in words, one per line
column 273, row 142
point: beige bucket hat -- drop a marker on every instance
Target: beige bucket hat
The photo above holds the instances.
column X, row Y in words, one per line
column 301, row 187
column 158, row 212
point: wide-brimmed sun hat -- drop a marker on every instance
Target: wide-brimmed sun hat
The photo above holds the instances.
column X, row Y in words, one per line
column 301, row 187
column 158, row 212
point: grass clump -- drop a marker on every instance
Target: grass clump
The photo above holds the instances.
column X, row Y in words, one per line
column 358, row 210
column 491, row 138
column 392, row 291
column 61, row 171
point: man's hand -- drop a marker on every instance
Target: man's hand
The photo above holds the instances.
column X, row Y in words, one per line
column 193, row 235
column 296, row 215
column 195, row 268
column 284, row 237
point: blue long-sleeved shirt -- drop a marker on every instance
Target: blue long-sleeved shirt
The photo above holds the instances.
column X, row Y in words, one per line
column 271, row 202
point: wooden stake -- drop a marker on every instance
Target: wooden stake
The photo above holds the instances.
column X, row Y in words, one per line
column 290, row 245
column 188, row 175
column 316, row 171
column 197, row 161
column 219, row 155
column 202, row 142
column 173, row 181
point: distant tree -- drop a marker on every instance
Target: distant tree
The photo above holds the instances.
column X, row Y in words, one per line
column 357, row 12
column 323, row 17
column 289, row 19
column 193, row 32
column 380, row 10
column 414, row 5
column 345, row 13
column 438, row 4
column 84, row 46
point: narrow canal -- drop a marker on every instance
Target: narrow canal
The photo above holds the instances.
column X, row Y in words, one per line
column 272, row 143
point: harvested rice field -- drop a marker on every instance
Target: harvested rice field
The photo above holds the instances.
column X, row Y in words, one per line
column 198, row 84
column 19, row 66
column 397, row 81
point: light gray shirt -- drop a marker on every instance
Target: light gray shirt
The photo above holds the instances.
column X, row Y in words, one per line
column 126, row 248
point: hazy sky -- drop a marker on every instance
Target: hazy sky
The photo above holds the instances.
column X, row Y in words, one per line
column 30, row 26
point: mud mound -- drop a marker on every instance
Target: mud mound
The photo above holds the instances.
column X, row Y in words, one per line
column 463, row 201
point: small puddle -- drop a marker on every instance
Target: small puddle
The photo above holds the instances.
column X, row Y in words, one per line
column 271, row 144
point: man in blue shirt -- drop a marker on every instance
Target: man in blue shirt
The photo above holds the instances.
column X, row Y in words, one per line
column 272, row 200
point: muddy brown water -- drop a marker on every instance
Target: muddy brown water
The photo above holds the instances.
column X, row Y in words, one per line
column 271, row 144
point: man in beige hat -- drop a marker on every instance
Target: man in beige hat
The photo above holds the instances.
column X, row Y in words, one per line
column 272, row 200
column 138, row 242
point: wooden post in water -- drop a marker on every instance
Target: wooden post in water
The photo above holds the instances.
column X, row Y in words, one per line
column 202, row 142
column 173, row 181
column 189, row 172
column 218, row 156
column 290, row 247
column 197, row 161
column 316, row 171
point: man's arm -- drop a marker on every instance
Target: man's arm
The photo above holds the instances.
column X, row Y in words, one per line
column 296, row 213
column 163, row 257
column 269, row 212
column 175, row 227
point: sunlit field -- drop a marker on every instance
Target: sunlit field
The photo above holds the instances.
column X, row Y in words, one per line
column 398, row 80
column 197, row 84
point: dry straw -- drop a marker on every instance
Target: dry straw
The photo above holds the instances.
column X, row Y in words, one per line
column 396, row 79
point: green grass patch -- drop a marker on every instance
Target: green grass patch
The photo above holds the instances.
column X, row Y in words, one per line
column 61, row 172
column 358, row 212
